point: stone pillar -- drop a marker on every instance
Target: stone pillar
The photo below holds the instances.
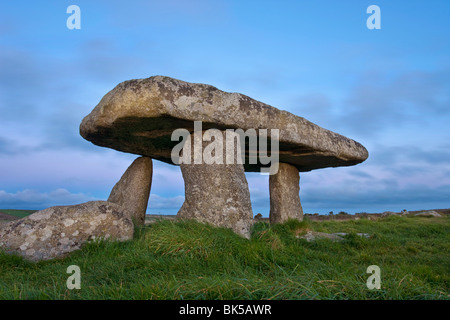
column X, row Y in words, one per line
column 284, row 187
column 216, row 193
column 133, row 189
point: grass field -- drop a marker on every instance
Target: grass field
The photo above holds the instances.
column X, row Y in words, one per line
column 17, row 213
column 189, row 260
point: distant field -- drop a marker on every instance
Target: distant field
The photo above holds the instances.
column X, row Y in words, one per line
column 170, row 259
column 154, row 217
column 17, row 213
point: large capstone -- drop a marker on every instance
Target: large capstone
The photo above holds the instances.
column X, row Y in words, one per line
column 139, row 116
column 216, row 193
column 133, row 189
column 57, row 231
column 284, row 188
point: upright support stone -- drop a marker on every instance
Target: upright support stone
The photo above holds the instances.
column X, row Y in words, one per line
column 216, row 193
column 133, row 189
column 284, row 187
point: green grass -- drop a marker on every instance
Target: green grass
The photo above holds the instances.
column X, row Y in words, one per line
column 17, row 213
column 189, row 260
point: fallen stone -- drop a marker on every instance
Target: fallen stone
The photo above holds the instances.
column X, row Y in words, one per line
column 139, row 116
column 389, row 213
column 430, row 213
column 314, row 235
column 133, row 189
column 343, row 234
column 57, row 231
column 217, row 194
column 284, row 188
column 337, row 236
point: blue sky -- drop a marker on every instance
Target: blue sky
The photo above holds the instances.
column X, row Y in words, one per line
column 388, row 89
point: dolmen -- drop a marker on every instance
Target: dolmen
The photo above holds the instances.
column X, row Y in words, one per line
column 215, row 137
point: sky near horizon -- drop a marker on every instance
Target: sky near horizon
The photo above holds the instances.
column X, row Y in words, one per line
column 387, row 88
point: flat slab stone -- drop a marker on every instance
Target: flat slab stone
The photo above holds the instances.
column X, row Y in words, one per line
column 338, row 236
column 139, row 116
column 57, row 231
column 431, row 213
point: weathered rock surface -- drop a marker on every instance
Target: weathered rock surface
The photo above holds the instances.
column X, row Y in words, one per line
column 57, row 231
column 431, row 213
column 139, row 116
column 338, row 236
column 343, row 234
column 390, row 213
column 313, row 235
column 133, row 189
column 284, row 188
column 217, row 194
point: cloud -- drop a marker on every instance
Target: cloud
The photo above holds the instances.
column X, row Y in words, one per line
column 19, row 84
column 420, row 155
column 7, row 146
column 93, row 172
column 47, row 87
column 385, row 195
column 60, row 129
column 158, row 202
column 34, row 199
column 167, row 179
column 412, row 177
column 394, row 178
column 381, row 101
column 44, row 97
